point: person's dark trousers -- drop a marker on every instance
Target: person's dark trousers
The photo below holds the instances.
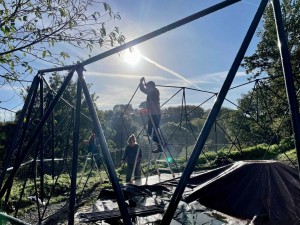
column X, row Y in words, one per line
column 156, row 121
column 137, row 172
column 129, row 170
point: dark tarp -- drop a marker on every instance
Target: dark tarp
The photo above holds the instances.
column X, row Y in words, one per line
column 266, row 190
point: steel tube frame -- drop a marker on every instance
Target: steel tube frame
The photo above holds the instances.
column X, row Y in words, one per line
column 64, row 100
column 52, row 138
column 20, row 140
column 148, row 36
column 36, row 133
column 18, row 127
column 288, row 77
column 105, row 152
column 161, row 31
column 57, row 69
column 75, row 151
column 41, row 138
column 212, row 117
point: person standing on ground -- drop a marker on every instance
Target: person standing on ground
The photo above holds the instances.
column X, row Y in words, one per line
column 154, row 112
column 132, row 156
column 93, row 149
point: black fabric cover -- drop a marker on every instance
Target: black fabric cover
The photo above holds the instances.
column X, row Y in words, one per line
column 267, row 190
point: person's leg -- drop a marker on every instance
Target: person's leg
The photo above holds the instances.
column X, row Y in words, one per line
column 149, row 126
column 137, row 172
column 156, row 120
column 129, row 173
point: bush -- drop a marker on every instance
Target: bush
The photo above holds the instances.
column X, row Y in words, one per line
column 287, row 144
column 288, row 156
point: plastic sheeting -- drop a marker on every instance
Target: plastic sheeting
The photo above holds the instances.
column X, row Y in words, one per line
column 266, row 192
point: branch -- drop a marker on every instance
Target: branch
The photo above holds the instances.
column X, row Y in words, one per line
column 18, row 5
column 7, row 109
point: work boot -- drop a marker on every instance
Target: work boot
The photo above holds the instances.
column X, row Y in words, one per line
column 159, row 149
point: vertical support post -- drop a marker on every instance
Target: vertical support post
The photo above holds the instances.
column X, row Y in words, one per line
column 288, row 76
column 212, row 117
column 52, row 140
column 186, row 124
column 105, row 152
column 75, row 151
column 216, row 138
column 41, row 138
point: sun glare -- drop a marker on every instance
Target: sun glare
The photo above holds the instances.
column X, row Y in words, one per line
column 132, row 57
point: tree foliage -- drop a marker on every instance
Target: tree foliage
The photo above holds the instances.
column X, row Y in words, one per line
column 266, row 106
column 266, row 59
column 29, row 31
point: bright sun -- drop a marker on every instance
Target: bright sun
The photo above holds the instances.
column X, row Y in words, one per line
column 132, row 57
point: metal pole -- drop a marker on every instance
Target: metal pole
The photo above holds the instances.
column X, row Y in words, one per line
column 36, row 133
column 21, row 120
column 212, row 117
column 288, row 76
column 148, row 36
column 105, row 152
column 21, row 137
column 160, row 31
column 75, row 151
column 52, row 139
column 41, row 142
column 20, row 141
column 186, row 124
column 57, row 69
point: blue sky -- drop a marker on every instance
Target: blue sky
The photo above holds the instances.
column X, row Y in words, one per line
column 198, row 54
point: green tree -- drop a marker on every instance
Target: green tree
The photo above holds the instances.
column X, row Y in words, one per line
column 252, row 122
column 271, row 101
column 266, row 59
column 6, row 134
column 31, row 29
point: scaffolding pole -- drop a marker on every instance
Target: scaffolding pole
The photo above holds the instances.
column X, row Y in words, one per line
column 212, row 117
column 288, row 77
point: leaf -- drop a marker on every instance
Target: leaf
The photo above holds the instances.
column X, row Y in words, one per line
column 62, row 12
column 106, row 7
column 44, row 54
column 3, row 60
column 7, row 30
column 70, row 24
